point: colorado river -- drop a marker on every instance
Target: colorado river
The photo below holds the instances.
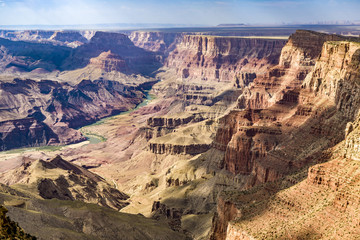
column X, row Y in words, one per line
column 94, row 138
column 91, row 137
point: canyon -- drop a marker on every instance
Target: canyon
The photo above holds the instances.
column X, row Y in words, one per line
column 244, row 137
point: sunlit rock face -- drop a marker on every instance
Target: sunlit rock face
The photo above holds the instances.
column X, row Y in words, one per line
column 285, row 121
column 222, row 58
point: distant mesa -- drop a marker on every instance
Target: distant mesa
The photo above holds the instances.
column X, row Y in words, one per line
column 231, row 25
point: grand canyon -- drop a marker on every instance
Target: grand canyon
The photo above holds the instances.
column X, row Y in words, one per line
column 214, row 133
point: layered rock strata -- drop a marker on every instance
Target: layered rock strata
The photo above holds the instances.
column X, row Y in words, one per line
column 256, row 139
column 109, row 62
column 162, row 125
column 160, row 42
column 192, row 140
column 286, row 121
column 35, row 113
column 221, row 58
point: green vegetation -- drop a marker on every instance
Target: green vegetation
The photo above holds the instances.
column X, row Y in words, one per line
column 11, row 230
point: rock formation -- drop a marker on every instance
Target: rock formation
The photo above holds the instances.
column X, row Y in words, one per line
column 108, row 62
column 275, row 105
column 63, row 180
column 285, row 122
column 221, row 58
column 28, row 56
column 191, row 140
column 69, row 37
column 36, row 113
column 138, row 60
column 160, row 42
column 76, row 220
column 64, row 38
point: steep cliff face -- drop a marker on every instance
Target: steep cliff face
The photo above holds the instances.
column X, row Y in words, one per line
column 255, row 138
column 26, row 132
column 336, row 75
column 43, row 112
column 297, row 59
column 221, row 58
column 162, row 125
column 312, row 99
column 327, row 209
column 192, row 139
column 160, row 42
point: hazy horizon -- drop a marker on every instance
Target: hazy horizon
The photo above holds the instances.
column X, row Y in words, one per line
column 184, row 12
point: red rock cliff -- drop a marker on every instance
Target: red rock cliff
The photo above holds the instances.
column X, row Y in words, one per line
column 284, row 123
column 221, row 58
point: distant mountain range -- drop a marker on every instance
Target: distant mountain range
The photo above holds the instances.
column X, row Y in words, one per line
column 98, row 26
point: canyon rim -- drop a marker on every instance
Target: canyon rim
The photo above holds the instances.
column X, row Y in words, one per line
column 179, row 131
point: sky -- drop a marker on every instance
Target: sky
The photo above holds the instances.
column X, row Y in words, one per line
column 198, row 12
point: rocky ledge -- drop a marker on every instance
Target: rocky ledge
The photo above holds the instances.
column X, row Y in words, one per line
column 221, row 58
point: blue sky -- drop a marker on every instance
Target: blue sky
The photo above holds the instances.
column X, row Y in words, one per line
column 207, row 12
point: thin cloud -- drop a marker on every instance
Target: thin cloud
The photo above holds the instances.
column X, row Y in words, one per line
column 221, row 3
column 280, row 3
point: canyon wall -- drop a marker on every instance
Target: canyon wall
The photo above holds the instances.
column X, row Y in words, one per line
column 282, row 104
column 159, row 42
column 28, row 55
column 289, row 116
column 25, row 56
column 35, row 113
column 221, row 58
column 64, row 38
column 297, row 59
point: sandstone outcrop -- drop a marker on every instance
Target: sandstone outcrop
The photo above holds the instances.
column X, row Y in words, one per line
column 221, row 58
column 256, row 138
column 162, row 125
column 285, row 122
column 193, row 139
column 172, row 215
column 297, row 59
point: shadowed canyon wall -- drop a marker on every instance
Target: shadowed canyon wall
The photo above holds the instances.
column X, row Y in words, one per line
column 289, row 116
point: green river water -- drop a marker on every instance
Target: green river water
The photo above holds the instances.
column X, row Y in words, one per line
column 91, row 137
